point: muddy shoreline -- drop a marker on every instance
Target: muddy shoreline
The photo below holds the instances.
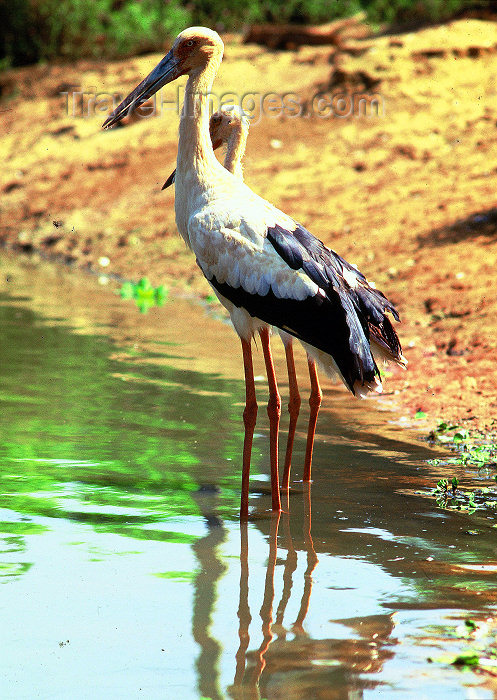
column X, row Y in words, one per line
column 408, row 195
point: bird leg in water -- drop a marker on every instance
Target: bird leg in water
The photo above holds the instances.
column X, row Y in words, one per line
column 274, row 413
column 249, row 420
column 314, row 403
column 293, row 409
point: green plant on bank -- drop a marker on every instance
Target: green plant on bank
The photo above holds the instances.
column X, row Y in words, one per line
column 443, row 431
column 407, row 12
column 45, row 29
column 471, row 451
column 37, row 30
column 448, row 496
column 233, row 14
column 144, row 294
column 481, row 651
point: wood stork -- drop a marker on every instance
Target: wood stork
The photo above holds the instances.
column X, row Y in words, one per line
column 229, row 127
column 265, row 268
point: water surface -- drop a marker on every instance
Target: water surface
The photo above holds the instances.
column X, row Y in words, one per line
column 126, row 572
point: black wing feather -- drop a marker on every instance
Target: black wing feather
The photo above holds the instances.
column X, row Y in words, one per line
column 370, row 304
column 339, row 320
column 287, row 247
column 321, row 321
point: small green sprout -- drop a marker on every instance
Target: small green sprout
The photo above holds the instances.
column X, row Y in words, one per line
column 144, row 294
column 467, row 658
column 442, row 486
column 461, row 436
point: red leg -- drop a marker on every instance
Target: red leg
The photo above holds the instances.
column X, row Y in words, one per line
column 249, row 419
column 293, row 409
column 314, row 403
column 274, row 413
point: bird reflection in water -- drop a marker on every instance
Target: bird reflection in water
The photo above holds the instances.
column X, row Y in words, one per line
column 287, row 655
column 249, row 666
column 211, row 568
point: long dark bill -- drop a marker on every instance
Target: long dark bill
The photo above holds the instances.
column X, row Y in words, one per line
column 169, row 180
column 164, row 72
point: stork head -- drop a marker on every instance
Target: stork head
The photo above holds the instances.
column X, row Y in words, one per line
column 194, row 47
column 192, row 50
column 225, row 122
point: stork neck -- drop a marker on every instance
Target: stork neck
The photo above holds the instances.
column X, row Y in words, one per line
column 235, row 151
column 195, row 147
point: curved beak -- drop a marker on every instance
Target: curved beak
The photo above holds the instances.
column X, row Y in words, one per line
column 217, row 144
column 164, row 72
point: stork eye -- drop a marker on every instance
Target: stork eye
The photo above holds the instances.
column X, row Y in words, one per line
column 190, row 42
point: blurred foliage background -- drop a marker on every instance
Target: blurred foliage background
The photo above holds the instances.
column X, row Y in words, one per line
column 42, row 30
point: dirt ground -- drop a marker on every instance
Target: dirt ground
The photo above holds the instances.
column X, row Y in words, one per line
column 406, row 190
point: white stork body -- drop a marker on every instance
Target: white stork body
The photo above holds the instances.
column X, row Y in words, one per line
column 227, row 228
column 265, row 268
column 229, row 127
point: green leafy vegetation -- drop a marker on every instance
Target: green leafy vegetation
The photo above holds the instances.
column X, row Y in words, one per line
column 408, row 12
column 477, row 644
column 465, row 499
column 46, row 29
column 144, row 294
column 467, row 658
column 446, row 432
column 448, row 496
column 233, row 14
column 471, row 450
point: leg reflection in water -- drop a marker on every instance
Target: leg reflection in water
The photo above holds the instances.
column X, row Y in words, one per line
column 266, row 611
column 244, row 616
column 312, row 560
column 211, row 568
column 280, row 651
column 249, row 666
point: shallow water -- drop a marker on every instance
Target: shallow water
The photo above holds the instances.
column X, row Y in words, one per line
column 126, row 572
